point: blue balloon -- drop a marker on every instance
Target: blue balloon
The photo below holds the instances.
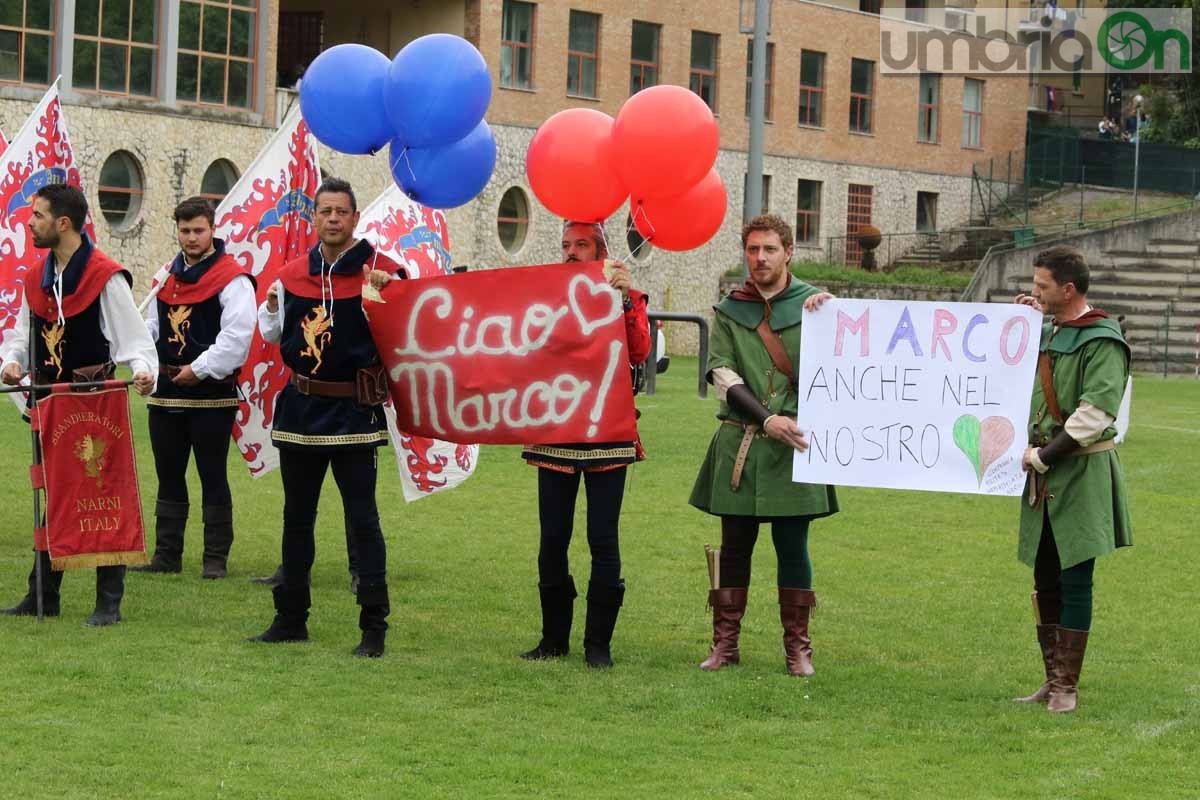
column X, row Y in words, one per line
column 438, row 89
column 341, row 98
column 446, row 176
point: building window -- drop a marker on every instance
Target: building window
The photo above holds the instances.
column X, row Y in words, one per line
column 927, row 212
column 928, row 94
column 858, row 213
column 218, row 179
column 643, row 56
column 869, row 6
column 812, row 87
column 516, row 45
column 808, row 212
column 301, row 39
column 639, row 246
column 512, row 221
column 26, row 39
column 914, row 10
column 217, row 47
column 583, row 48
column 703, row 76
column 120, row 190
column 972, row 122
column 767, row 105
column 862, row 85
column 116, row 46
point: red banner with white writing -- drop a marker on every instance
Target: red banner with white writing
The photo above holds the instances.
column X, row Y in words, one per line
column 89, row 473
column 527, row 355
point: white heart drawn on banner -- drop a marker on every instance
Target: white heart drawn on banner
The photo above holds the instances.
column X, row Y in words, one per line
column 585, row 324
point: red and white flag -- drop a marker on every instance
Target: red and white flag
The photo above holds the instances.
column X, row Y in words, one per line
column 266, row 221
column 418, row 239
column 40, row 154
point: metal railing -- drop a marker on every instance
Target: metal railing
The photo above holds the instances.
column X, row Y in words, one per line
column 701, row 362
column 916, row 247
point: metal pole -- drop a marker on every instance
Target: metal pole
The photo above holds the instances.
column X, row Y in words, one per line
column 37, row 459
column 1137, row 151
column 758, row 97
column 1082, row 181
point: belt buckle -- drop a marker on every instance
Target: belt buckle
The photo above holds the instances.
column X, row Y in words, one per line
column 302, row 383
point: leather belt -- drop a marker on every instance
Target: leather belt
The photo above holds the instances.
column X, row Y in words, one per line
column 1037, row 481
column 750, row 431
column 317, row 388
column 171, row 370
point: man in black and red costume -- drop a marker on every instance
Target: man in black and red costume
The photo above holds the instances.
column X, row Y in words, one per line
column 84, row 320
column 331, row 413
column 202, row 324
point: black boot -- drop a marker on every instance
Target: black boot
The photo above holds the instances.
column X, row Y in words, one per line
column 558, row 609
column 603, row 606
column 372, row 619
column 51, row 581
column 170, row 521
column 218, row 538
column 292, row 601
column 110, row 587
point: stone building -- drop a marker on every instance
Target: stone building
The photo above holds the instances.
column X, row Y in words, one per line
column 167, row 98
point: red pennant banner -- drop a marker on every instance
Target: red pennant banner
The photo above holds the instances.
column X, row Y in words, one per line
column 529, row 355
column 93, row 507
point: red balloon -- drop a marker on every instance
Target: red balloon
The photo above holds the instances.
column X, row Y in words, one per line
column 666, row 140
column 571, row 166
column 684, row 222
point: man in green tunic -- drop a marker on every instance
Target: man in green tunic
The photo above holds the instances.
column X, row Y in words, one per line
column 1075, row 507
column 746, row 477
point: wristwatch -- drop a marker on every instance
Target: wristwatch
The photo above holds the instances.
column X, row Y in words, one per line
column 627, row 304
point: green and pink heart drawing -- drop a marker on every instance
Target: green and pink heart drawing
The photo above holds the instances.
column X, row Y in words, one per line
column 983, row 442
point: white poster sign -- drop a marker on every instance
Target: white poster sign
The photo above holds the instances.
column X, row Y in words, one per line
column 917, row 395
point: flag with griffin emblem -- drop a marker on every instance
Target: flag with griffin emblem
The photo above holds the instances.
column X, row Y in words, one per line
column 89, row 473
column 418, row 239
column 40, row 154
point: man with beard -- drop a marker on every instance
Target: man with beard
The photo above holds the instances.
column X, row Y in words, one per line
column 602, row 467
column 1076, row 508
column 746, row 478
column 202, row 323
column 84, row 303
column 330, row 416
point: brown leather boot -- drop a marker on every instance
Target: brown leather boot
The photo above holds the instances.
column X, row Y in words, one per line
column 795, row 607
column 1047, row 636
column 1068, row 663
column 729, row 606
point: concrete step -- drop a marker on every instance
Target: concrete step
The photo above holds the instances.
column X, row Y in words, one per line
column 1144, row 274
column 1126, row 258
column 1173, row 246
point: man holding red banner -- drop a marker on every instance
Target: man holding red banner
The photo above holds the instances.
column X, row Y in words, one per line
column 603, row 466
column 331, row 413
column 84, row 319
column 746, row 475
column 202, row 323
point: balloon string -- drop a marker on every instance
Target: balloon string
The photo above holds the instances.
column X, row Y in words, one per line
column 404, row 154
column 633, row 226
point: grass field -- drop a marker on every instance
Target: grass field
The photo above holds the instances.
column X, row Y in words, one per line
column 923, row 634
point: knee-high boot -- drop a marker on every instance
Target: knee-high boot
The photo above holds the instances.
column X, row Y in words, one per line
column 795, row 609
column 729, row 606
column 51, row 581
column 110, row 588
column 603, row 605
column 218, row 538
column 558, row 612
column 1047, row 636
column 372, row 619
column 170, row 522
column 1069, row 650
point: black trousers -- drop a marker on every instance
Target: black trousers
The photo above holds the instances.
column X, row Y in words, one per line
column 175, row 435
column 790, row 536
column 303, row 473
column 557, row 492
